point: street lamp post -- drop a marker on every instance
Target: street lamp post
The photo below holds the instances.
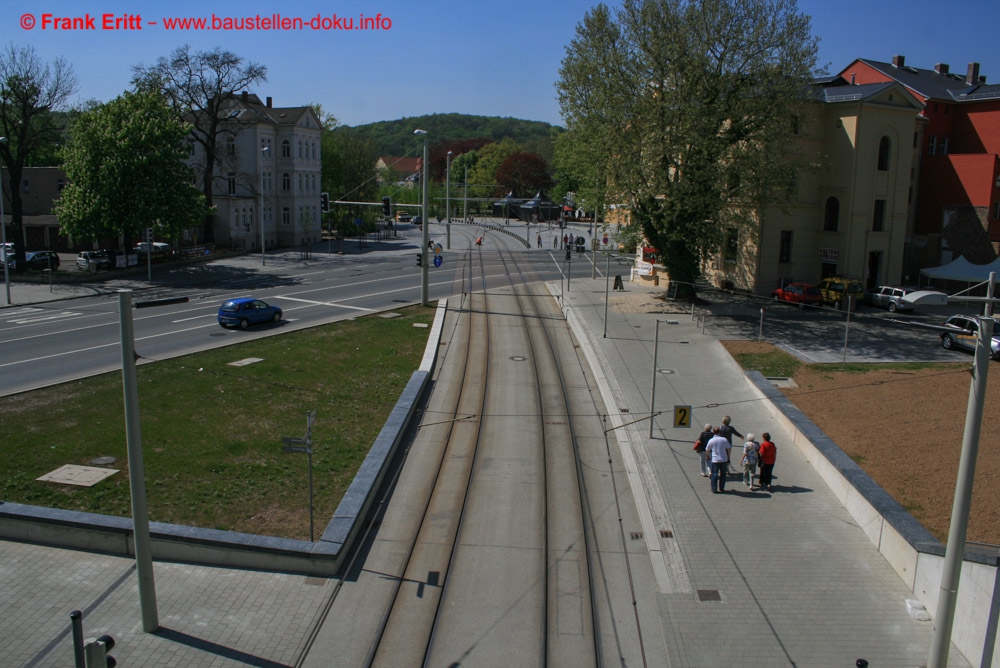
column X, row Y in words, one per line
column 260, row 164
column 3, row 235
column 425, row 241
column 447, row 196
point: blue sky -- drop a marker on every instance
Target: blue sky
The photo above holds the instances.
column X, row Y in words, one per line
column 494, row 59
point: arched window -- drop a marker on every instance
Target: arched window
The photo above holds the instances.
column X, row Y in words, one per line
column 831, row 219
column 883, row 154
column 286, row 182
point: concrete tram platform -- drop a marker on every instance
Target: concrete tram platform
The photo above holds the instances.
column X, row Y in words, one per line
column 736, row 579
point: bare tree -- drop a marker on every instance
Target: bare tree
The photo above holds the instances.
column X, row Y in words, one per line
column 29, row 91
column 201, row 87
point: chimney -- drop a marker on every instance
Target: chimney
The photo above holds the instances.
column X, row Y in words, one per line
column 245, row 96
column 941, row 68
column 268, row 101
column 898, row 61
column 973, row 74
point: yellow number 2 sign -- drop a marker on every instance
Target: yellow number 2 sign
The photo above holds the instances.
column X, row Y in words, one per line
column 682, row 416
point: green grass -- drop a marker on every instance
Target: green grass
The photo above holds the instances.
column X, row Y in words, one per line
column 776, row 363
column 211, row 432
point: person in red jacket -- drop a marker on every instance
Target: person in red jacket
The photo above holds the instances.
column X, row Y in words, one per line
column 768, row 455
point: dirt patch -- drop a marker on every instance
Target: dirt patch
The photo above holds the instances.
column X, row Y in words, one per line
column 904, row 428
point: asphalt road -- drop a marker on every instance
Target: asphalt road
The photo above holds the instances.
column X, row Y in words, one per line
column 46, row 343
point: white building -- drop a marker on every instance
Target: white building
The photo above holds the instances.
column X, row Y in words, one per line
column 267, row 170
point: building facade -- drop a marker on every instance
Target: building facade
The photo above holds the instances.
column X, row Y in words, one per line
column 957, row 204
column 850, row 212
column 267, row 180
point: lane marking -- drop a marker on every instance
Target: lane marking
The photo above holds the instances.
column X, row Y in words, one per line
column 316, row 303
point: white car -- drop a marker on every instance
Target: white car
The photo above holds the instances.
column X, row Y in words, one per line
column 891, row 298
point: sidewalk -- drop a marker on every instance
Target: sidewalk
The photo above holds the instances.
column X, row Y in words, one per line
column 741, row 579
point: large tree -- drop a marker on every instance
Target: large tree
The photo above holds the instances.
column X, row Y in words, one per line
column 488, row 161
column 689, row 107
column 524, row 173
column 30, row 91
column 200, row 87
column 126, row 165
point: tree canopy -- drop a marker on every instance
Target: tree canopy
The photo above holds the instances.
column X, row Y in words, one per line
column 686, row 108
column 125, row 162
column 200, row 87
column 30, row 92
column 524, row 173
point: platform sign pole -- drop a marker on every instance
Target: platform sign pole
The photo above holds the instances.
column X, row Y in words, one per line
column 652, row 382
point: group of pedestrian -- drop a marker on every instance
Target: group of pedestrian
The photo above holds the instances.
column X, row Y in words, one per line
column 715, row 454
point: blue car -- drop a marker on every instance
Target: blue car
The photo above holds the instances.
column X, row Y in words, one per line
column 245, row 311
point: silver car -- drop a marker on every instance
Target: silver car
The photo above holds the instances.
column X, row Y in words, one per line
column 891, row 298
column 965, row 335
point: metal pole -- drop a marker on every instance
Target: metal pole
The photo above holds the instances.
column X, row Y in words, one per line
column 149, row 259
column 847, row 329
column 652, row 382
column 263, row 242
column 76, row 620
column 760, row 332
column 3, row 235
column 425, row 238
column 607, row 286
column 955, row 551
column 136, row 474
column 447, row 197
column 465, row 197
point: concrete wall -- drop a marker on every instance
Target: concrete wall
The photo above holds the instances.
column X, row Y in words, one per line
column 174, row 542
column 911, row 550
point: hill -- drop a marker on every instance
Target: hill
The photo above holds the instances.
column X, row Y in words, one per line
column 396, row 137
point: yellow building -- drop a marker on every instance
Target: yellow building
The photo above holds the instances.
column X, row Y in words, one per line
column 851, row 212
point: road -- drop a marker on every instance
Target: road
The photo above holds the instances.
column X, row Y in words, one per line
column 47, row 343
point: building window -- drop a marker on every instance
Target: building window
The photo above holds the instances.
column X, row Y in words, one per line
column 878, row 217
column 246, row 221
column 60, row 184
column 286, row 149
column 230, row 146
column 300, row 183
column 731, row 249
column 314, row 150
column 785, row 249
column 313, row 187
column 300, row 148
column 883, row 154
column 286, row 182
column 916, row 139
column 190, row 147
column 996, row 210
column 265, row 146
column 286, row 216
column 26, row 186
column 231, row 183
column 944, row 146
column 831, row 219
column 932, row 145
column 268, row 182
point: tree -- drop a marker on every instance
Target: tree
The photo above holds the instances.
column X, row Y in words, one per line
column 200, row 87
column 673, row 98
column 30, row 91
column 524, row 173
column 126, row 166
column 488, row 161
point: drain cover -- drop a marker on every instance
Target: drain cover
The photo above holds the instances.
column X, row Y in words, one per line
column 705, row 595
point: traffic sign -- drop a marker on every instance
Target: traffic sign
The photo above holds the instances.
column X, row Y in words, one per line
column 293, row 440
column 297, row 449
column 437, row 261
column 682, row 416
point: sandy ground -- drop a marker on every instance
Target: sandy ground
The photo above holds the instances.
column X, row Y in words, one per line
column 904, row 428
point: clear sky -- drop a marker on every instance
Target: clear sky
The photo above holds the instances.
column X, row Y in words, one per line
column 494, row 59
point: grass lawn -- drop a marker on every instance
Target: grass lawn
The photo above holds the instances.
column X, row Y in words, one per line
column 211, row 432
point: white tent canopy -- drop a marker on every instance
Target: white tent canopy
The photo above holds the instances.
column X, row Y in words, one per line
column 961, row 269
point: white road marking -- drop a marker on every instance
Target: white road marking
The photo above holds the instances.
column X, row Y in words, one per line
column 316, row 303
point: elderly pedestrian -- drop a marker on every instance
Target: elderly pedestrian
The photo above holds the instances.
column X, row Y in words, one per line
column 718, row 449
column 768, row 455
column 699, row 447
column 751, row 450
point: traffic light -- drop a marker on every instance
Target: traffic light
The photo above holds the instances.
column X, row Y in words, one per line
column 420, row 259
column 96, row 652
column 324, row 202
column 386, row 206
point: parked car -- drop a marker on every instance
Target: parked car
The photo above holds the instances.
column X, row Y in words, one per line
column 417, row 220
column 888, row 297
column 403, row 217
column 245, row 311
column 36, row 260
column 802, row 294
column 965, row 335
column 93, row 260
column 159, row 249
column 837, row 289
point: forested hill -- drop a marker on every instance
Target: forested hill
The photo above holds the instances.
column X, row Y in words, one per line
column 396, row 137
